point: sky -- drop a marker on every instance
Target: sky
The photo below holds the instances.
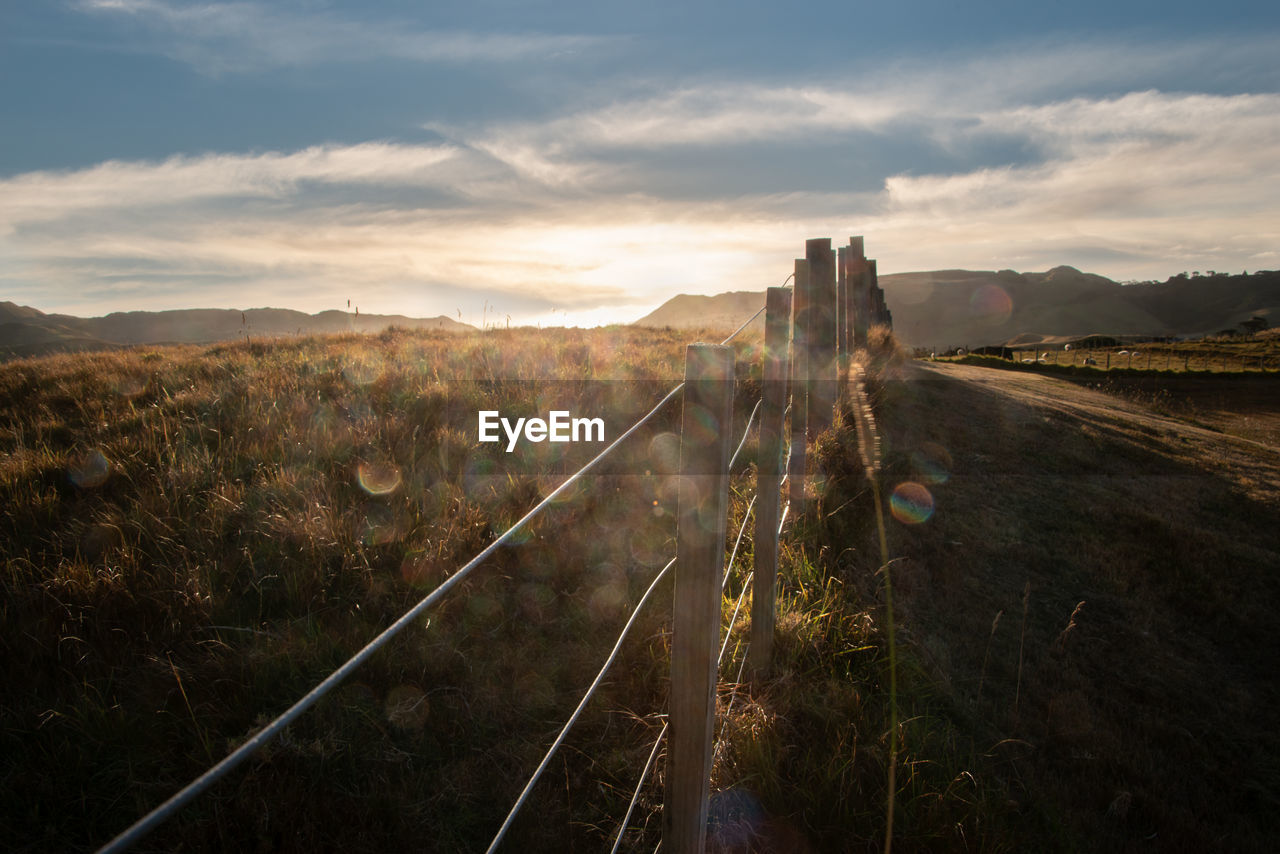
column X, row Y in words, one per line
column 558, row 161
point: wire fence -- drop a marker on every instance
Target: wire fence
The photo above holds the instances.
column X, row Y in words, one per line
column 798, row 384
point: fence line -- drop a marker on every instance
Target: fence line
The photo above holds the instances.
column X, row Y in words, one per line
column 586, row 698
column 816, row 340
column 644, row 775
column 147, row 823
column 599, row 678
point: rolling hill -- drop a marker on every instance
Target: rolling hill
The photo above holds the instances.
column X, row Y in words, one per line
column 973, row 308
column 25, row 331
column 687, row 311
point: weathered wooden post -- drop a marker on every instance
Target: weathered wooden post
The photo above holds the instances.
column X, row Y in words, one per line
column 705, row 437
column 799, row 383
column 860, row 285
column 769, row 477
column 823, row 382
column 844, row 338
column 874, row 304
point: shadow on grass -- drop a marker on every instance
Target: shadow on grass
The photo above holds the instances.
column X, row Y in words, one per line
column 1087, row 588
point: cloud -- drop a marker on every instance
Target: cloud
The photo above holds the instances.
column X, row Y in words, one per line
column 614, row 204
column 1173, row 179
column 218, row 38
column 124, row 186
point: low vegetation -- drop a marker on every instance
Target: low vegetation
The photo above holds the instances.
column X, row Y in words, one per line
column 195, row 536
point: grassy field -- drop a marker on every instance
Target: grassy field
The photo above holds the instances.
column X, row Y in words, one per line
column 193, row 537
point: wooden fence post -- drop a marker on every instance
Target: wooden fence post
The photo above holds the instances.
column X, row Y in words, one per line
column 860, row 285
column 769, row 478
column 875, row 306
column 799, row 383
column 844, row 338
column 705, row 439
column 823, row 383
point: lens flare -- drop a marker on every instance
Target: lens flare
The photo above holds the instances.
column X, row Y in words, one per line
column 536, row 601
column 378, row 478
column 932, row 463
column 91, row 470
column 911, row 503
column 650, row 546
column 991, row 303
column 421, row 570
column 664, row 452
column 703, row 425
column 380, row 527
column 735, row 819
column 364, row 370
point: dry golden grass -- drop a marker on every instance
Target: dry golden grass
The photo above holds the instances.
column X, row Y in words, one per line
column 193, row 537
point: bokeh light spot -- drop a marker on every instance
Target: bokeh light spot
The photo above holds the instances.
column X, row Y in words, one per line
column 380, row 527
column 363, row 371
column 378, row 478
column 420, row 570
column 91, row 470
column 991, row 303
column 664, row 450
column 932, row 463
column 911, row 503
column 650, row 546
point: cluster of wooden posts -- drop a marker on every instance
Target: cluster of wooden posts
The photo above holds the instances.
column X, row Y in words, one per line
column 811, row 331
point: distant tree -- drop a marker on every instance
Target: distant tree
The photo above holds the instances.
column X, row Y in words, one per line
column 1254, row 325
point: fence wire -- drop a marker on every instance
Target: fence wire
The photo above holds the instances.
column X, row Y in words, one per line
column 147, row 823
column 139, row 829
column 546, row 760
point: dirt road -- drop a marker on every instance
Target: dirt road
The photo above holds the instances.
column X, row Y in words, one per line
column 1095, row 593
column 1192, row 426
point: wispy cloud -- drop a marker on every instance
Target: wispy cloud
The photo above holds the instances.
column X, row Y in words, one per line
column 569, row 213
column 125, row 186
column 1168, row 180
column 219, row 38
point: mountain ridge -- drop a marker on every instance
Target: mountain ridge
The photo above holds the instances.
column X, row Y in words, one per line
column 27, row 331
column 973, row 308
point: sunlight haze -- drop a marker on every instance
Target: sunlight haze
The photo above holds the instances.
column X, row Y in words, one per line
column 579, row 163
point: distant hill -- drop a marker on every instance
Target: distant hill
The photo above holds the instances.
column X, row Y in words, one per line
column 971, row 308
column 25, row 331
column 687, row 311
